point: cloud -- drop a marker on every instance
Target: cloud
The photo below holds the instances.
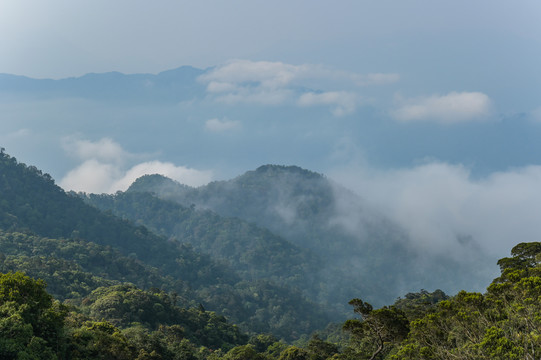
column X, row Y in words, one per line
column 442, row 206
column 104, row 150
column 452, row 108
column 341, row 102
column 217, row 125
column 277, row 83
column 184, row 175
column 104, row 168
column 243, row 72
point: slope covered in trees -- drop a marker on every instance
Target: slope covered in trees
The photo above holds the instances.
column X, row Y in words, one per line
column 253, row 252
column 503, row 323
column 360, row 250
column 76, row 248
column 124, row 322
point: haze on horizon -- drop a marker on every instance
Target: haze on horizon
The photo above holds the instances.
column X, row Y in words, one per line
column 431, row 111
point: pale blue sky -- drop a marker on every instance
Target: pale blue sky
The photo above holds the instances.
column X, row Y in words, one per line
column 376, row 94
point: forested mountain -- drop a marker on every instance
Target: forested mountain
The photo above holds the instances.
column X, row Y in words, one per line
column 76, row 247
column 255, row 253
column 504, row 323
column 129, row 294
column 361, row 251
column 166, row 87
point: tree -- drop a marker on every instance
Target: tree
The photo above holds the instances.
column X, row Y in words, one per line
column 31, row 322
column 294, row 353
column 377, row 330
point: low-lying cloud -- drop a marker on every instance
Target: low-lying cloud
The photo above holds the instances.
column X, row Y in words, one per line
column 277, row 83
column 452, row 108
column 217, row 125
column 105, row 150
column 107, row 168
column 442, row 207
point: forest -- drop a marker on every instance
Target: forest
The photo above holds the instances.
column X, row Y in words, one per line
column 164, row 271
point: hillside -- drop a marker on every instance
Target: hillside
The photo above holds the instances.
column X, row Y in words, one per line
column 255, row 253
column 361, row 251
column 56, row 230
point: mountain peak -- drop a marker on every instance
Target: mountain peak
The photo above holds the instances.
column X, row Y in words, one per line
column 273, row 170
column 151, row 183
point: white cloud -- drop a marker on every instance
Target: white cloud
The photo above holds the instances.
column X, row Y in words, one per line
column 452, row 108
column 439, row 204
column 266, row 74
column 217, row 125
column 104, row 150
column 184, row 175
column 91, row 176
column 260, row 96
column 277, row 83
column 342, row 102
column 104, row 170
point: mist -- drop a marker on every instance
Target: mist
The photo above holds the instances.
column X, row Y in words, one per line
column 446, row 210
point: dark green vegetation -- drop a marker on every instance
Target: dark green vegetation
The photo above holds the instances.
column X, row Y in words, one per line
column 358, row 250
column 124, row 322
column 503, row 323
column 255, row 253
column 77, row 248
column 112, row 289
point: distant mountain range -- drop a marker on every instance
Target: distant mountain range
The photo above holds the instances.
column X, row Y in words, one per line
column 166, row 87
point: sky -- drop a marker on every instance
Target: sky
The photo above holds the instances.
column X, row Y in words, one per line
column 430, row 110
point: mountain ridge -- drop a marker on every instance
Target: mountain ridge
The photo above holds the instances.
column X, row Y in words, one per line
column 313, row 212
column 32, row 203
column 165, row 87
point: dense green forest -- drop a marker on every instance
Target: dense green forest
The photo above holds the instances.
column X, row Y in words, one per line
column 359, row 250
column 254, row 252
column 77, row 282
column 52, row 235
column 125, row 322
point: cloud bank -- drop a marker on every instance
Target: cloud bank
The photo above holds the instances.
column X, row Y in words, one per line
column 446, row 211
column 452, row 108
column 277, row 83
column 106, row 168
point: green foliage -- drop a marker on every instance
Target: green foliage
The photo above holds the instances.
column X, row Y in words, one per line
column 416, row 305
column 73, row 268
column 294, row 353
column 31, row 322
column 378, row 331
column 126, row 306
column 359, row 252
column 77, row 248
column 253, row 252
column 244, row 352
column 319, row 349
column 503, row 323
column 114, row 272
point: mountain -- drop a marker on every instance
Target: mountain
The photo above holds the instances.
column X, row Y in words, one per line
column 362, row 252
column 169, row 86
column 254, row 252
column 76, row 247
